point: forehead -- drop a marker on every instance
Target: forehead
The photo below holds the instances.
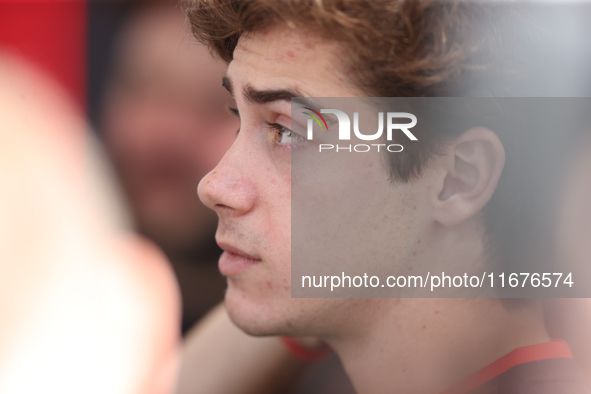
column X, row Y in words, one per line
column 281, row 57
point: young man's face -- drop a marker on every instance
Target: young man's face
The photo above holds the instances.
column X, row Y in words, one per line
column 250, row 189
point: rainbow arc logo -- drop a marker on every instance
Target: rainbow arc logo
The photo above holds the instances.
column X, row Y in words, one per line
column 316, row 117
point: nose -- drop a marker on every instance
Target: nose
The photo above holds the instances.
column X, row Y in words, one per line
column 229, row 189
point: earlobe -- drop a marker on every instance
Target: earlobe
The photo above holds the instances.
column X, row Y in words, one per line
column 473, row 165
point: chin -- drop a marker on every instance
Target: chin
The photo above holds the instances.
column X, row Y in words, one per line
column 278, row 314
column 258, row 316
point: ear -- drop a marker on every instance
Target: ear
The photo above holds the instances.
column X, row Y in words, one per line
column 471, row 168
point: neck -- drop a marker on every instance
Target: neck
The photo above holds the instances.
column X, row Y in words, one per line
column 427, row 345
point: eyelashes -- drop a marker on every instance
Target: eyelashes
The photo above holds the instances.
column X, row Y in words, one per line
column 283, row 136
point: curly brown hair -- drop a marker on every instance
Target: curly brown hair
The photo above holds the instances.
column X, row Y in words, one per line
column 404, row 48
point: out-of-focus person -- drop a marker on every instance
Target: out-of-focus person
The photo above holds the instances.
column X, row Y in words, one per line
column 84, row 308
column 572, row 317
column 166, row 124
column 574, row 226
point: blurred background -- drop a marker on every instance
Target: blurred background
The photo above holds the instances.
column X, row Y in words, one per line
column 153, row 98
column 156, row 102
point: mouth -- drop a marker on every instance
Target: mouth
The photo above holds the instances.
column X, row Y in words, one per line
column 234, row 260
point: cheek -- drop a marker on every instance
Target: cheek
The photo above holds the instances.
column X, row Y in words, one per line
column 278, row 229
column 347, row 214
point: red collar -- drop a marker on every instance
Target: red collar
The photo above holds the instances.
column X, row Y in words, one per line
column 558, row 348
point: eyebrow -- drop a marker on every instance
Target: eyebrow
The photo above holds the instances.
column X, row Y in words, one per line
column 256, row 96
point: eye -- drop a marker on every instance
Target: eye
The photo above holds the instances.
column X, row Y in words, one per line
column 285, row 136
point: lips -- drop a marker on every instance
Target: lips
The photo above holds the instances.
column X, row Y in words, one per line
column 235, row 261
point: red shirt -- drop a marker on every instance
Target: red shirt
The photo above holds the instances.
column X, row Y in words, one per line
column 540, row 369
